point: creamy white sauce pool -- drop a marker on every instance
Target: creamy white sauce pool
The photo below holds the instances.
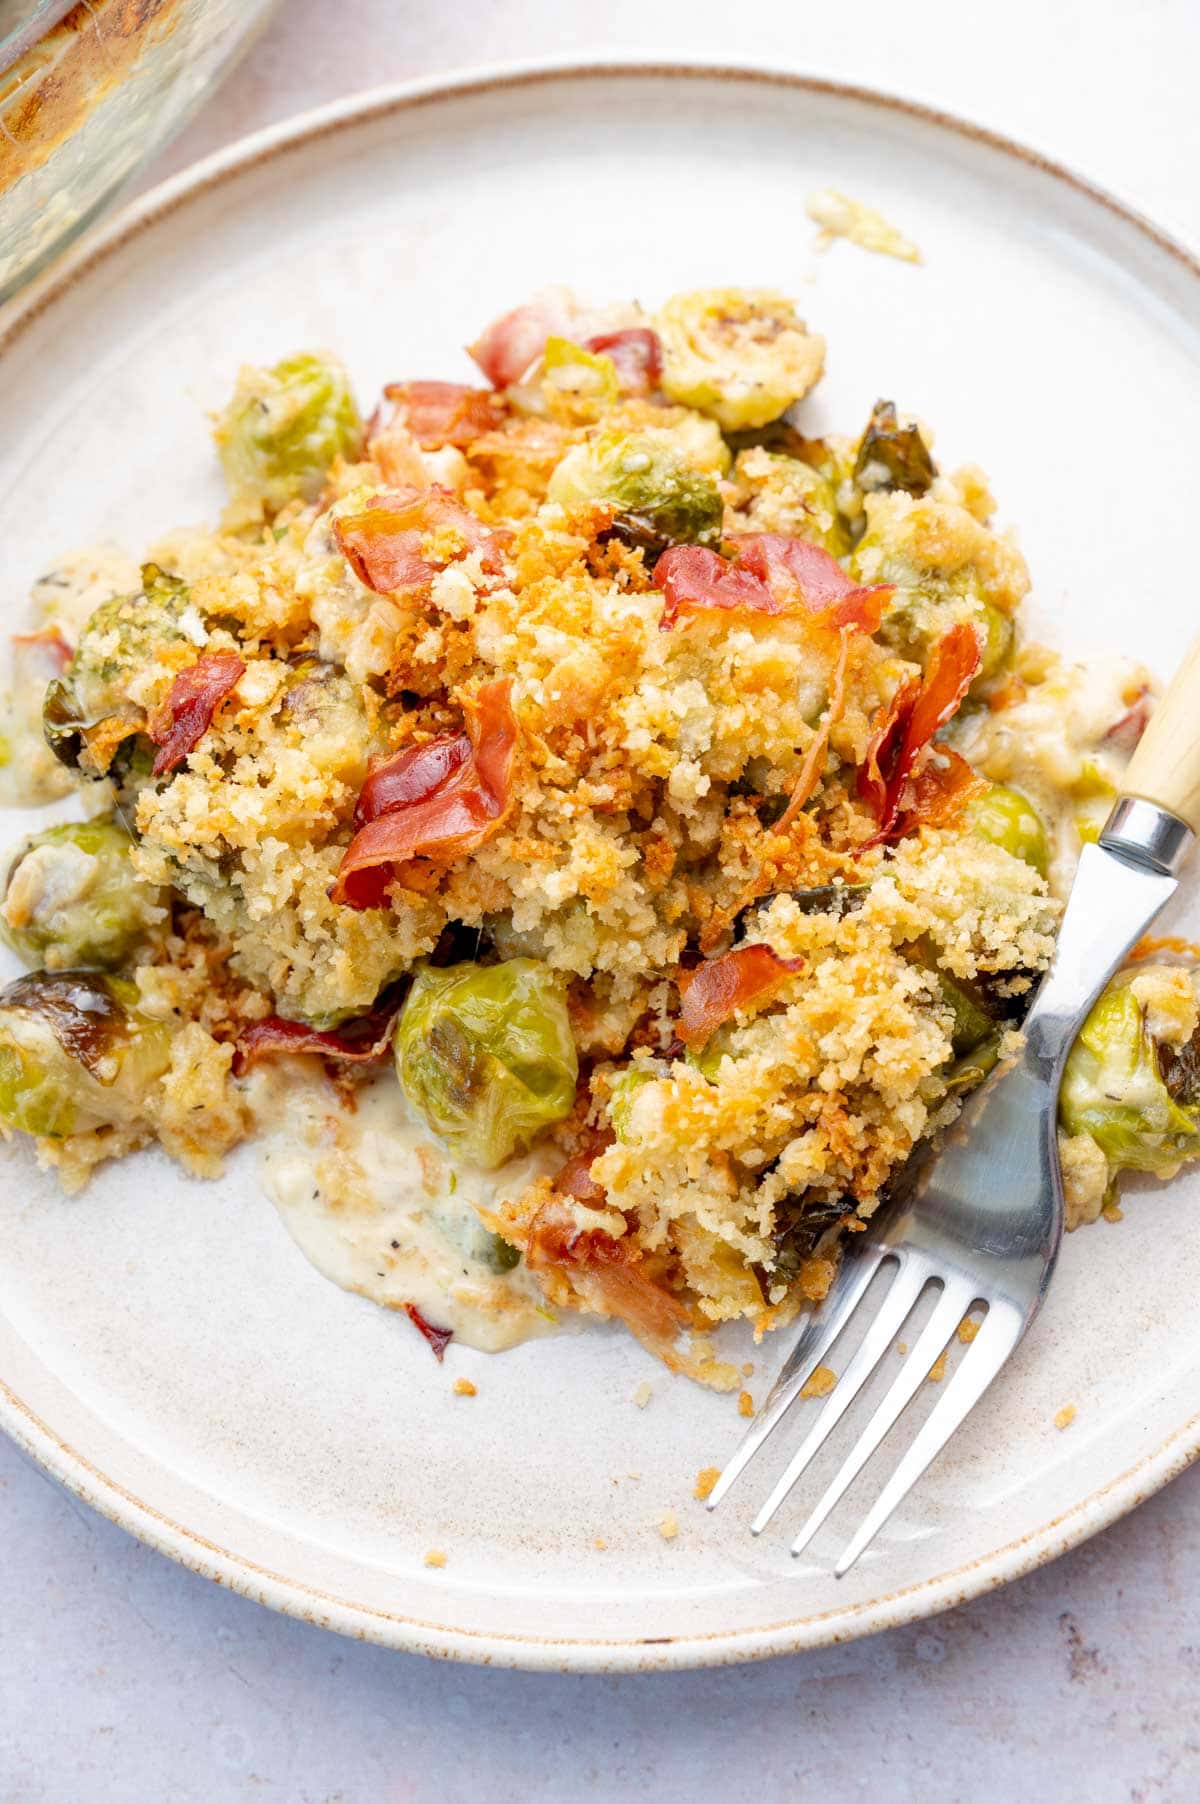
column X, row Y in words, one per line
column 380, row 1207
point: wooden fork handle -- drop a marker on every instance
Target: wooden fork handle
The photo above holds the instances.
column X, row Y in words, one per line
column 1165, row 768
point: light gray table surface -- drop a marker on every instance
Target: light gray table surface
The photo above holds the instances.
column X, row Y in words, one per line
column 124, row 1677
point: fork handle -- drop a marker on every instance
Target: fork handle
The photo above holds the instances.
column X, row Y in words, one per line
column 1165, row 767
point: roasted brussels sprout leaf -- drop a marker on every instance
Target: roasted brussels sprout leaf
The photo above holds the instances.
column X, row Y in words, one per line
column 892, row 456
column 972, row 1019
column 799, row 1225
column 485, row 1055
column 76, row 1053
column 1114, row 1090
column 577, row 384
column 624, row 1088
column 72, row 898
column 282, row 430
column 971, row 1069
column 658, row 498
column 1004, row 817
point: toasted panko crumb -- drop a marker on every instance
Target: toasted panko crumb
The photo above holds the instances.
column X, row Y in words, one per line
column 819, row 1383
column 902, row 1347
column 745, row 1404
column 435, row 1557
column 464, row 1388
column 600, row 1544
column 1065, row 1416
column 643, row 1394
column 968, row 1328
column 748, row 1369
column 668, row 1526
column 706, row 1478
column 937, row 1370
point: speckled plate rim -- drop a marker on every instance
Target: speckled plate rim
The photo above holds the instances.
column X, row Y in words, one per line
column 293, row 1597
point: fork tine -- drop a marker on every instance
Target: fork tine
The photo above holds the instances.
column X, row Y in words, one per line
column 983, row 1359
column 910, row 1280
column 819, row 1333
column 955, row 1300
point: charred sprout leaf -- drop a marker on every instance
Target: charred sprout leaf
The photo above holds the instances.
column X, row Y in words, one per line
column 61, row 723
column 485, row 1054
column 77, row 1054
column 799, row 1226
column 1181, row 1071
column 283, row 429
column 1004, row 817
column 1113, row 1089
column 658, row 498
column 740, row 355
column 830, row 898
column 892, row 456
column 72, row 898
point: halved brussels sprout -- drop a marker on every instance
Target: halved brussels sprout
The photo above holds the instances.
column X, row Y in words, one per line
column 1093, row 795
column 87, row 712
column 1005, row 817
column 892, row 456
column 577, row 385
column 282, row 430
column 622, row 1091
column 1113, row 1089
column 659, row 498
column 77, row 1054
column 485, row 1054
column 997, row 641
column 72, row 898
column 742, row 355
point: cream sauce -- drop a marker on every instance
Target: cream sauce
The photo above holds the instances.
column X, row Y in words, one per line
column 378, row 1205
column 840, row 216
column 1064, row 746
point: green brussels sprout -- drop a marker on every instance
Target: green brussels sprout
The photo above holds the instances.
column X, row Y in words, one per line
column 282, row 430
column 972, row 1020
column 577, row 385
column 998, row 639
column 1005, row 817
column 741, row 355
column 77, row 1054
column 1093, row 795
column 87, row 713
column 72, row 898
column 892, row 456
column 1113, row 1089
column 622, row 1090
column 659, row 498
column 971, row 1069
column 485, row 1054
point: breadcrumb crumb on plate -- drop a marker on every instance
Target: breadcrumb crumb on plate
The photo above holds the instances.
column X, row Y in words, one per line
column 1065, row 1416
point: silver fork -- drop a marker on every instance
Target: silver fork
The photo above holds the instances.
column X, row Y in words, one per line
column 982, row 1215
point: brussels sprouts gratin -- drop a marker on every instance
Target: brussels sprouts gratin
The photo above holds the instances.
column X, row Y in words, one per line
column 586, row 828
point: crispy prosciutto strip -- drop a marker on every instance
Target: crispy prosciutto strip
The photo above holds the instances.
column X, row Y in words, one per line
column 388, row 544
column 637, row 354
column 575, row 1178
column 773, row 575
column 694, row 580
column 359, row 1042
column 940, row 790
column 179, row 723
column 807, row 576
column 713, row 992
column 604, row 1271
column 436, row 413
column 438, row 1338
column 505, row 349
column 434, row 801
column 918, row 709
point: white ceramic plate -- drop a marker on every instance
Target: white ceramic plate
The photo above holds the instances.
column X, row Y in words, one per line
column 164, row 1348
